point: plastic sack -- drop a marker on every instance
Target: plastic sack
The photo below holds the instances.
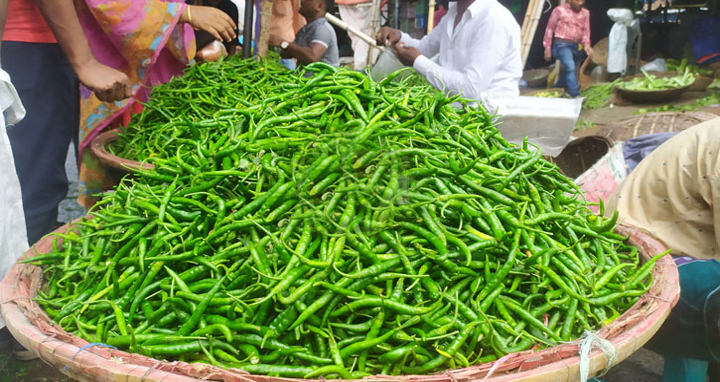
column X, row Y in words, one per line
column 618, row 39
column 13, row 237
column 547, row 122
column 656, row 65
column 386, row 63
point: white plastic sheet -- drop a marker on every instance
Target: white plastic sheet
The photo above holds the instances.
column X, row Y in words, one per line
column 547, row 122
column 656, row 65
column 13, row 237
column 386, row 63
column 617, row 41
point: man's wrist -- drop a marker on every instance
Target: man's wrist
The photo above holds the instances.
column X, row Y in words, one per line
column 284, row 45
column 422, row 64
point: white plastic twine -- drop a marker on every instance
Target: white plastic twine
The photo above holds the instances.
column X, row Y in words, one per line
column 589, row 339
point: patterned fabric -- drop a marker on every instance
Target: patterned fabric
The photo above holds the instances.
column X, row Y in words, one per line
column 142, row 38
column 672, row 193
column 569, row 25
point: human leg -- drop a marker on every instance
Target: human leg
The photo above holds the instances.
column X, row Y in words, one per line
column 48, row 89
column 358, row 16
column 688, row 339
column 684, row 369
column 563, row 51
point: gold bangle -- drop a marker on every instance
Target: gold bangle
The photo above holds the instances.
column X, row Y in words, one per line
column 189, row 15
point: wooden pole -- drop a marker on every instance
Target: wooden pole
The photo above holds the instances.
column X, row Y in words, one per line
column 375, row 27
column 532, row 4
column 431, row 16
column 532, row 17
column 265, row 20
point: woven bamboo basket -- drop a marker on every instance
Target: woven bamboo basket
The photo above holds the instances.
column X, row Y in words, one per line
column 651, row 123
column 651, row 96
column 78, row 359
column 701, row 83
column 536, row 77
column 99, row 147
column 581, row 154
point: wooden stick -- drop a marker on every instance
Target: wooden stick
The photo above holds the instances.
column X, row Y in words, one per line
column 431, row 16
column 532, row 17
column 344, row 26
column 265, row 19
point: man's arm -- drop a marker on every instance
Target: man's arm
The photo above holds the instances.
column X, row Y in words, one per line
column 320, row 39
column 107, row 83
column 304, row 54
column 429, row 45
column 475, row 79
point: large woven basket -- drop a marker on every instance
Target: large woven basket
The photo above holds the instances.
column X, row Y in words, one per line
column 701, row 83
column 90, row 362
column 581, row 154
column 99, row 147
column 651, row 96
column 651, row 123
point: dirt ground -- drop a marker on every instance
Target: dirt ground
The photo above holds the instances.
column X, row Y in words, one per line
column 643, row 366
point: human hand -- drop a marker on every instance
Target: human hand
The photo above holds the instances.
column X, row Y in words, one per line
column 212, row 52
column 406, row 54
column 211, row 20
column 388, row 36
column 589, row 51
column 107, row 83
column 548, row 56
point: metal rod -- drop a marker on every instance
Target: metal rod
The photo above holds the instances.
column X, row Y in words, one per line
column 247, row 29
column 396, row 22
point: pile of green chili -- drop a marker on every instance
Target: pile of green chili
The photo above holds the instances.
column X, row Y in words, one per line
column 342, row 228
column 598, row 95
column 205, row 95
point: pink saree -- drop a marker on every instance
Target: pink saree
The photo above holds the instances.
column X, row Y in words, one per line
column 143, row 39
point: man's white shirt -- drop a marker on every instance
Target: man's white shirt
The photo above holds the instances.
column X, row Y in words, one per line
column 480, row 58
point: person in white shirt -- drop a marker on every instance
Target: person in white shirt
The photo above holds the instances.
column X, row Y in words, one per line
column 478, row 43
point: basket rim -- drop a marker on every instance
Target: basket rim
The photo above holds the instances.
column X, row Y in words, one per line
column 70, row 358
column 98, row 146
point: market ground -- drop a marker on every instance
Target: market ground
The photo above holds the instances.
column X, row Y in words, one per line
column 643, row 366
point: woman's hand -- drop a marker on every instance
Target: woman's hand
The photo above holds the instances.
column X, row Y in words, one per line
column 212, row 52
column 211, row 20
column 108, row 84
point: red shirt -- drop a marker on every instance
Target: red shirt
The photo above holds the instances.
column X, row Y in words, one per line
column 25, row 23
column 568, row 25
